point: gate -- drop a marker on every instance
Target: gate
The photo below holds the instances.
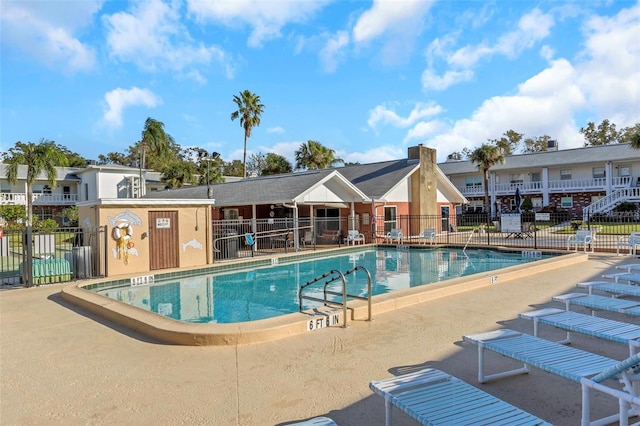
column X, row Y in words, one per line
column 163, row 240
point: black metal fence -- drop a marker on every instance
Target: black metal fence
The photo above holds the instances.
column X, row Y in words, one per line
column 31, row 256
column 608, row 233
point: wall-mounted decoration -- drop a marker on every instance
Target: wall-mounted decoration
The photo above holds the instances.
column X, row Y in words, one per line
column 122, row 233
column 193, row 243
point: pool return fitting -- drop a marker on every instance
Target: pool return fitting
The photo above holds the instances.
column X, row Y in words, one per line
column 332, row 276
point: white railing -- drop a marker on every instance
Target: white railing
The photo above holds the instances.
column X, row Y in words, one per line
column 18, row 198
column 607, row 203
column 591, row 184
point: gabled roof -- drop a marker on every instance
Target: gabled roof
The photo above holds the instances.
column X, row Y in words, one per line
column 62, row 173
column 310, row 187
column 586, row 155
column 377, row 179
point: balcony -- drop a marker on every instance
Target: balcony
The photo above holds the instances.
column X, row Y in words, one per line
column 20, row 198
column 555, row 186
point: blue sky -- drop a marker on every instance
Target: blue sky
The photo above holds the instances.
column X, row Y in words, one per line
column 365, row 78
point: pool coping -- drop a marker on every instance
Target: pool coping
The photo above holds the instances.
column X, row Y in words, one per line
column 170, row 331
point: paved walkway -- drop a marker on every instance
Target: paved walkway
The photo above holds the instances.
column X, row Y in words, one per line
column 58, row 365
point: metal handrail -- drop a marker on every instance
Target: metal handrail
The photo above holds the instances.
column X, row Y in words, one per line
column 335, row 275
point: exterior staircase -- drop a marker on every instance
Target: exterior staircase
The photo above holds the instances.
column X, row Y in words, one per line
column 606, row 204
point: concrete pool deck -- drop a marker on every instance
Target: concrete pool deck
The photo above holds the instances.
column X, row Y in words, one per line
column 60, row 364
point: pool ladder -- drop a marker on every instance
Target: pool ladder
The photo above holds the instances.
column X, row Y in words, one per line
column 332, row 276
column 473, row 231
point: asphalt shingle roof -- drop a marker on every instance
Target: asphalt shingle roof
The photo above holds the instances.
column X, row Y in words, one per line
column 603, row 153
column 261, row 190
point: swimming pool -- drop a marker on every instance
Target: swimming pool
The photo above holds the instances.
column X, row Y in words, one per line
column 250, row 294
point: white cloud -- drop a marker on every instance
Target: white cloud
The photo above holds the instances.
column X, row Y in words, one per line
column 532, row 27
column 333, row 51
column 374, row 155
column 266, row 18
column 119, row 99
column 431, row 81
column 396, row 26
column 45, row 31
column 609, row 71
column 276, row 130
column 424, row 129
column 386, row 16
column 152, row 36
column 381, row 114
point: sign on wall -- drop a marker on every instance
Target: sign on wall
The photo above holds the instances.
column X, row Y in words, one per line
column 163, row 223
column 510, row 222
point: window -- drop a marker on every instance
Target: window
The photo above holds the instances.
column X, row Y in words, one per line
column 473, row 181
column 516, row 178
column 66, row 191
column 595, row 198
column 390, row 215
column 86, row 191
column 565, row 174
column 566, row 202
column 5, row 188
column 598, row 172
column 536, row 177
column 46, row 189
column 624, row 171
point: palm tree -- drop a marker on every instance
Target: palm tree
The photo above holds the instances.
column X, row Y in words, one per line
column 313, row 155
column 249, row 111
column 157, row 141
column 486, row 156
column 39, row 158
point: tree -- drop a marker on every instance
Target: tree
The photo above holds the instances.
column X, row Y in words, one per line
column 249, row 111
column 485, row 157
column 604, row 134
column 631, row 135
column 276, row 164
column 156, row 144
column 178, row 173
column 233, row 168
column 39, row 158
column 538, row 144
column 114, row 158
column 508, row 143
column 255, row 165
column 71, row 214
column 313, row 155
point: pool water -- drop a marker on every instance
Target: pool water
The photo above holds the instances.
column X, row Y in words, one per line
column 249, row 295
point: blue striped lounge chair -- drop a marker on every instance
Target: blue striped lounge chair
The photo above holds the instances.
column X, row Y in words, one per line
column 599, row 303
column 316, row 421
column 612, row 288
column 433, row 397
column 588, row 369
column 588, row 325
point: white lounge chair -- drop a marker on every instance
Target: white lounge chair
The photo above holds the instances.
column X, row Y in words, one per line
column 601, row 328
column 355, row 237
column 590, row 370
column 394, row 235
column 599, row 303
column 583, row 237
column 308, row 238
column 632, row 242
column 428, row 234
column 433, row 397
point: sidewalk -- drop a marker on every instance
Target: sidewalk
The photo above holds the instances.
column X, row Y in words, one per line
column 60, row 366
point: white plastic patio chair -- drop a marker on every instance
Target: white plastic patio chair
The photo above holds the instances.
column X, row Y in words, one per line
column 428, row 234
column 631, row 242
column 583, row 237
column 355, row 237
column 394, row 235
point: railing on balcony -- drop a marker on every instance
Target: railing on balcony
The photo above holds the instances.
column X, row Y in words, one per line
column 20, row 198
column 591, row 184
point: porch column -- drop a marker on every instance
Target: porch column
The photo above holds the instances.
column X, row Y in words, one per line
column 353, row 216
column 296, row 228
column 608, row 176
column 492, row 194
column 254, row 220
column 545, row 186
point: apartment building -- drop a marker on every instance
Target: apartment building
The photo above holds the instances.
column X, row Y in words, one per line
column 580, row 181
